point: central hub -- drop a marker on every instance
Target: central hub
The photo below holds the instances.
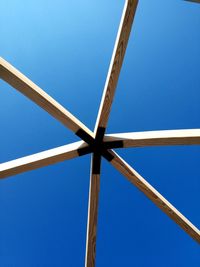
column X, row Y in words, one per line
column 97, row 145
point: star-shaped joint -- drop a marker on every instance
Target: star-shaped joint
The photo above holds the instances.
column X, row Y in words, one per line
column 99, row 146
column 97, row 143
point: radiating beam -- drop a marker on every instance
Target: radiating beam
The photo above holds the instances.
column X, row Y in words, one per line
column 93, row 210
column 155, row 138
column 155, row 196
column 195, row 1
column 42, row 159
column 115, row 65
column 20, row 82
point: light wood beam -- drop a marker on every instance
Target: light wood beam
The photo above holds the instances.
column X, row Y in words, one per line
column 20, row 82
column 93, row 210
column 42, row 159
column 115, row 64
column 155, row 196
column 156, row 138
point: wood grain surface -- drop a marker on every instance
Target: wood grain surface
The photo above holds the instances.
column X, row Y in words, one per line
column 93, row 211
column 155, row 196
column 41, row 159
column 116, row 63
column 156, row 138
column 138, row 139
column 20, row 82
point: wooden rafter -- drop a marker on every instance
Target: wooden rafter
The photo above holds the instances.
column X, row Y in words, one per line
column 25, row 86
column 155, row 138
column 106, row 102
column 115, row 65
column 195, row 1
column 42, row 159
column 93, row 210
column 155, row 196
column 98, row 143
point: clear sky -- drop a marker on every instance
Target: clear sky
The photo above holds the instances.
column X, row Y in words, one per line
column 65, row 47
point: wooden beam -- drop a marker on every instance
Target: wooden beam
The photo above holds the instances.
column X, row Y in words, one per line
column 155, row 196
column 20, row 82
column 42, row 159
column 93, row 210
column 156, row 138
column 195, row 1
column 116, row 64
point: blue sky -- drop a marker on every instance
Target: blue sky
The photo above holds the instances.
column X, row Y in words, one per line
column 65, row 47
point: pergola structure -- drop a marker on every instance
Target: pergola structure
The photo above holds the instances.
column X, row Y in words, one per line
column 98, row 143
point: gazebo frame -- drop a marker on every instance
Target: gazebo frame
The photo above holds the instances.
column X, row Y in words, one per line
column 98, row 143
